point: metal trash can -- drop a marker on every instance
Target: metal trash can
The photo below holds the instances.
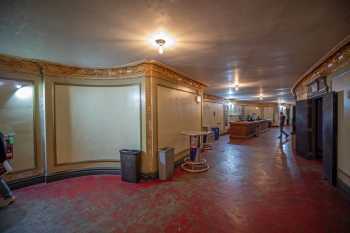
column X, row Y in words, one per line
column 130, row 165
column 166, row 163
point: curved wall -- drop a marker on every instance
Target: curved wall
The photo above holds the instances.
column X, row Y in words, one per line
column 83, row 117
column 89, row 121
column 335, row 66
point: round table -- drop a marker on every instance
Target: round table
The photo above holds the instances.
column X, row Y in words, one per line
column 194, row 162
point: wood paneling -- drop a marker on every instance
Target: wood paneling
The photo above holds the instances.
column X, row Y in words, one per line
column 329, row 133
column 302, row 128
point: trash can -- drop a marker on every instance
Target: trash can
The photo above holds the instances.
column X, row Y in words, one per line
column 130, row 165
column 216, row 132
column 166, row 163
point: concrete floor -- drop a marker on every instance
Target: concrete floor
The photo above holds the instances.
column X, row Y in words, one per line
column 253, row 186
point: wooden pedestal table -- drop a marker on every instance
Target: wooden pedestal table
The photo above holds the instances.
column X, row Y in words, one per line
column 194, row 162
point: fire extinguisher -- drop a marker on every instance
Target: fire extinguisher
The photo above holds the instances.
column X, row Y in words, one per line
column 9, row 141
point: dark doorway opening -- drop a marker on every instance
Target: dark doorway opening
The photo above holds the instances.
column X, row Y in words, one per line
column 316, row 134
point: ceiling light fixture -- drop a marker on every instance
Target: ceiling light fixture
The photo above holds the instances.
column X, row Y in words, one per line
column 261, row 97
column 236, row 86
column 160, row 43
column 161, row 40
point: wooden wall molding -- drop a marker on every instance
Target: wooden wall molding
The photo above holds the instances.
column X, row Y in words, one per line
column 161, row 71
column 213, row 98
column 144, row 68
column 334, row 60
column 18, row 65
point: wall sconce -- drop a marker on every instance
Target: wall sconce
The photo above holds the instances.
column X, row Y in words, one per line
column 198, row 99
column 24, row 92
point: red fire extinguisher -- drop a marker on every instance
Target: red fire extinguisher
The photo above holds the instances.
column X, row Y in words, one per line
column 9, row 142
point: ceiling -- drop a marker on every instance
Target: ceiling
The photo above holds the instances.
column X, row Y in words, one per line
column 265, row 44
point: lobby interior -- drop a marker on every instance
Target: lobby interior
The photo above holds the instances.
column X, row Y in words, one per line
column 201, row 85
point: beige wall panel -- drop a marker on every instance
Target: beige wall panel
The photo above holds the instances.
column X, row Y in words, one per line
column 17, row 116
column 268, row 113
column 213, row 115
column 206, row 114
column 177, row 112
column 94, row 123
column 341, row 84
column 220, row 116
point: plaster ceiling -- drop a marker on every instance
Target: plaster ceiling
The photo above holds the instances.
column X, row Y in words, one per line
column 266, row 44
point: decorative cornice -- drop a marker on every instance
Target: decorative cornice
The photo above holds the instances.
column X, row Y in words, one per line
column 121, row 72
column 162, row 71
column 144, row 68
column 331, row 62
column 256, row 103
column 213, row 98
column 15, row 64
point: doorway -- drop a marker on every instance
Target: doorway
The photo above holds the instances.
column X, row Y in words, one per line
column 316, row 135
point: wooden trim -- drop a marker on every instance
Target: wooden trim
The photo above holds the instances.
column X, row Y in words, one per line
column 327, row 64
column 177, row 89
column 173, row 75
column 130, row 70
column 212, row 98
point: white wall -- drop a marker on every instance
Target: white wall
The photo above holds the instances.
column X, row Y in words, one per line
column 250, row 110
column 341, row 84
column 177, row 112
column 268, row 113
column 94, row 123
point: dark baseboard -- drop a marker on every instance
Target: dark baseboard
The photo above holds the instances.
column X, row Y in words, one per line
column 179, row 161
column 149, row 176
column 21, row 183
column 84, row 172
column 344, row 188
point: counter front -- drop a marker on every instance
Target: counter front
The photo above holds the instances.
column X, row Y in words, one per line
column 248, row 129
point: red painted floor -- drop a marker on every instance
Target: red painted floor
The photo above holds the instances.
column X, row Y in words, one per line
column 253, row 186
